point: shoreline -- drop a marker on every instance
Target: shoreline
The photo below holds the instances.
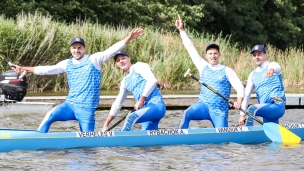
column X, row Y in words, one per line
column 171, row 101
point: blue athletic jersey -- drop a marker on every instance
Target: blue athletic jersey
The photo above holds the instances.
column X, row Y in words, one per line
column 268, row 87
column 135, row 84
column 217, row 80
column 84, row 83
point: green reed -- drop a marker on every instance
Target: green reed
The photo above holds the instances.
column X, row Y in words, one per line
column 33, row 39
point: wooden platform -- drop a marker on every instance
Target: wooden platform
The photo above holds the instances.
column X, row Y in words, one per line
column 172, row 101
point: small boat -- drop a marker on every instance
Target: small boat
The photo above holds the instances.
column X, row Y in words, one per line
column 13, row 89
column 18, row 139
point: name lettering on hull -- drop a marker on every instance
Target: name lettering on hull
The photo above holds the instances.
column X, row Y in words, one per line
column 232, row 129
column 168, row 132
column 292, row 126
column 95, row 134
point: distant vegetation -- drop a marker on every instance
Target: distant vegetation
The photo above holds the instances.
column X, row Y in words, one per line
column 278, row 23
column 35, row 39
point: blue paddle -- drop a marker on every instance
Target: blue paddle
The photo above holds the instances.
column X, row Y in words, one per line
column 280, row 134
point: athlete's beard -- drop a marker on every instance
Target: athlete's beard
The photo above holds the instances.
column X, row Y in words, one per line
column 78, row 58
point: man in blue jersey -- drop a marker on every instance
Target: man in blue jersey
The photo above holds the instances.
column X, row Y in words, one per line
column 210, row 106
column 141, row 82
column 84, row 77
column 266, row 79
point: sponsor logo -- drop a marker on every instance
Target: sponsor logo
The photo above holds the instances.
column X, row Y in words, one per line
column 95, row 134
column 292, row 126
column 232, row 129
column 168, row 132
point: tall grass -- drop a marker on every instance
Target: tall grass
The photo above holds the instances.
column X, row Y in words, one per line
column 33, row 39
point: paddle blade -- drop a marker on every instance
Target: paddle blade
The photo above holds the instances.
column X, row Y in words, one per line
column 289, row 136
column 278, row 133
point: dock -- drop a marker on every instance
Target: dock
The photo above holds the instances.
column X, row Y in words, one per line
column 171, row 101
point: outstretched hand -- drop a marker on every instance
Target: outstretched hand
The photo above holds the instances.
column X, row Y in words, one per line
column 133, row 35
column 16, row 68
column 179, row 24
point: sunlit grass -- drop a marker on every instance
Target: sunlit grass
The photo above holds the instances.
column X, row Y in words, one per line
column 34, row 39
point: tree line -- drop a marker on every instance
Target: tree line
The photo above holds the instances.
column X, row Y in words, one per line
column 278, row 23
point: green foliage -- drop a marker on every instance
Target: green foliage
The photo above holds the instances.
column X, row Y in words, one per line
column 276, row 22
column 37, row 40
column 279, row 21
column 39, row 34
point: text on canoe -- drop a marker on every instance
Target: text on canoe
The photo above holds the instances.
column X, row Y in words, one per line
column 95, row 134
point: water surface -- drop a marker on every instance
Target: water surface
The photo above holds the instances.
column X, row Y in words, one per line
column 227, row 156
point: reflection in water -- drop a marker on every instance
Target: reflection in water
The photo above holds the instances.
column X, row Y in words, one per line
column 227, row 156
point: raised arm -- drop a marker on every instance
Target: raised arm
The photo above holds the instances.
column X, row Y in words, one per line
column 43, row 70
column 198, row 61
column 103, row 56
column 133, row 35
column 179, row 24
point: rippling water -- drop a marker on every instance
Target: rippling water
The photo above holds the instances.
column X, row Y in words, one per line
column 229, row 156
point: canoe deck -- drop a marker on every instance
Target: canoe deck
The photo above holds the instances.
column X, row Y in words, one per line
column 16, row 139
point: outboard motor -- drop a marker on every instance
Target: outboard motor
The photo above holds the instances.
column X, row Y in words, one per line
column 12, row 87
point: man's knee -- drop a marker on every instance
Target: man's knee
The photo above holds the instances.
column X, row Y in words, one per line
column 251, row 109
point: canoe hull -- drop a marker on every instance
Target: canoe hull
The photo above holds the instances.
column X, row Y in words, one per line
column 13, row 139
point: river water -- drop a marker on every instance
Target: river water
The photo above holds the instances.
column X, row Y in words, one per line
column 228, row 156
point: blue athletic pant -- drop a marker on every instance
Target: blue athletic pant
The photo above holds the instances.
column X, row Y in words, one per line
column 200, row 111
column 65, row 112
column 149, row 116
column 271, row 112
